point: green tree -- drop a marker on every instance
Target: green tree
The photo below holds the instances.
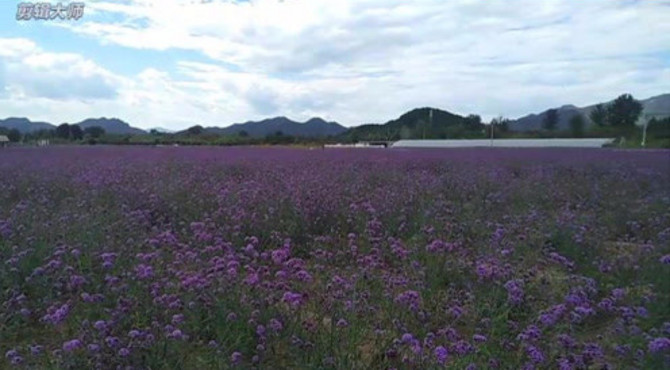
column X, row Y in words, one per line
column 63, row 131
column 599, row 115
column 473, row 122
column 14, row 135
column 94, row 131
column 76, row 133
column 550, row 119
column 624, row 111
column 499, row 124
column 195, row 130
column 243, row 133
column 577, row 125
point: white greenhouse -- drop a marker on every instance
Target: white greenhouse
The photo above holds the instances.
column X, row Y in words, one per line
column 505, row 143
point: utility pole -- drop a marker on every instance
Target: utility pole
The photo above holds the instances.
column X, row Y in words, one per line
column 493, row 121
column 648, row 117
column 644, row 131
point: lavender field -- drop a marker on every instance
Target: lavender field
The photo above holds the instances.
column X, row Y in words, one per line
column 198, row 258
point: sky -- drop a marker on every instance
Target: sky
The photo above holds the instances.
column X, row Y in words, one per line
column 179, row 63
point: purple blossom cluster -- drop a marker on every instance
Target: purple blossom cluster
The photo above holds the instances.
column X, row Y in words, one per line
column 124, row 257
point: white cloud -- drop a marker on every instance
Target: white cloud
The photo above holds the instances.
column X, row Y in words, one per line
column 30, row 72
column 359, row 61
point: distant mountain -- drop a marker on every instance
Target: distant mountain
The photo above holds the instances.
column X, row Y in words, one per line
column 657, row 105
column 25, row 125
column 161, row 130
column 315, row 127
column 111, row 126
column 415, row 124
column 535, row 122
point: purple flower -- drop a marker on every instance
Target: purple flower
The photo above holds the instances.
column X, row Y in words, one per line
column 176, row 334
column 72, row 345
column 275, row 325
column 177, row 319
column 606, row 304
column 485, row 270
column 35, row 349
column 567, row 341
column 77, row 281
column 124, row 352
column 410, row 298
column 618, row 293
column 292, row 299
column 515, row 291
column 100, row 325
column 584, row 311
column 462, row 347
column 665, row 259
column 641, row 311
column 456, row 311
column 660, row 344
column 564, row 364
column 252, row 279
column 531, row 333
column 441, row 354
column 304, row 276
column 112, row 341
column 622, row 350
column 144, row 271
column 535, row 354
column 342, row 323
column 236, row 357
column 479, row 338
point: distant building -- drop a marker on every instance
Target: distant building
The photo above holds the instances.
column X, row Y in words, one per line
column 505, row 143
column 4, row 140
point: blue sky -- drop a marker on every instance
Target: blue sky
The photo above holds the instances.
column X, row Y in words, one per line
column 177, row 63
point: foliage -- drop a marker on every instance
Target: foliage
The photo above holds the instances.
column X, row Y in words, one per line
column 577, row 125
column 624, row 111
column 195, row 130
column 599, row 115
column 76, row 133
column 94, row 131
column 14, row 135
column 63, row 131
column 550, row 120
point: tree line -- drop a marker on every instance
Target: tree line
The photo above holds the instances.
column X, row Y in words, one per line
column 64, row 132
column 621, row 114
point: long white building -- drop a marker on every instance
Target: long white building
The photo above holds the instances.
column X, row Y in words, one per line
column 505, row 143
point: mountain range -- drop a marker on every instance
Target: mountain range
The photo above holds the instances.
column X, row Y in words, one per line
column 533, row 122
column 110, row 125
column 315, row 127
column 417, row 123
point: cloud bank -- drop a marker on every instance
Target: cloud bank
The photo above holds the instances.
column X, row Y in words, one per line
column 352, row 61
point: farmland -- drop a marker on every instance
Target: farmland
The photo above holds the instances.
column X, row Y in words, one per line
column 195, row 258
